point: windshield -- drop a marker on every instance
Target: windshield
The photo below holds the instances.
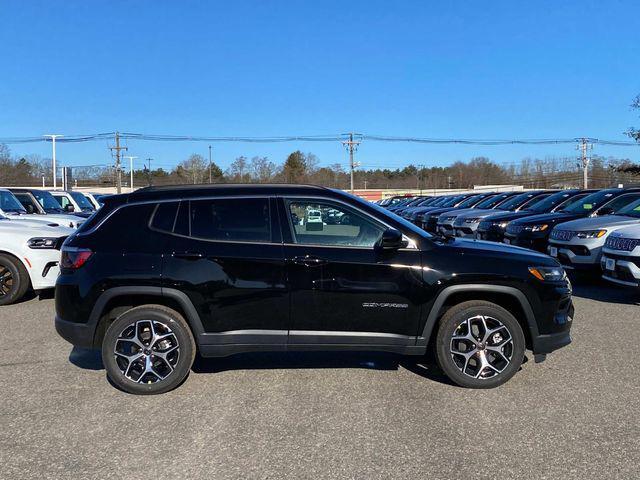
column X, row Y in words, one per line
column 631, row 210
column 82, row 201
column 9, row 203
column 591, row 202
column 493, row 201
column 515, row 201
column 46, row 200
column 471, row 201
column 618, row 204
column 549, row 203
column 452, row 201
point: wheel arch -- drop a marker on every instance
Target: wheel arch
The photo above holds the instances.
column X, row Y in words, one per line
column 510, row 298
column 115, row 301
column 21, row 259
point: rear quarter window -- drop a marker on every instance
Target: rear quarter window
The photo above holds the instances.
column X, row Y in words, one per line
column 127, row 228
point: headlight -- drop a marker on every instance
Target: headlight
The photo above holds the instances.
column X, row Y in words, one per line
column 548, row 274
column 42, row 242
column 537, row 228
column 591, row 234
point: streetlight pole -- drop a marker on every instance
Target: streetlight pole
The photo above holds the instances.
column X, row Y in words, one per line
column 209, row 163
column 53, row 160
column 130, row 157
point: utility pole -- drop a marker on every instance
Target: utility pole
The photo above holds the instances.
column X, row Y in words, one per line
column 130, row 170
column 352, row 146
column 53, row 160
column 209, row 163
column 420, row 172
column 117, row 148
column 584, row 147
column 149, row 175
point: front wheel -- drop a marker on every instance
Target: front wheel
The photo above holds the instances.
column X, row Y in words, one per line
column 14, row 280
column 479, row 344
column 148, row 350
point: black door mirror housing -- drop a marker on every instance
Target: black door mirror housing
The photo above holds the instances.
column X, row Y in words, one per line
column 30, row 209
column 69, row 208
column 605, row 211
column 391, row 239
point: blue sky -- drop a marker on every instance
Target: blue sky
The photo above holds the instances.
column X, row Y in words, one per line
column 464, row 69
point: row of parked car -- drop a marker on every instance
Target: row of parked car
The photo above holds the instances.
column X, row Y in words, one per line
column 587, row 230
column 33, row 225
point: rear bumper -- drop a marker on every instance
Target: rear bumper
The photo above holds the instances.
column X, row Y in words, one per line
column 78, row 334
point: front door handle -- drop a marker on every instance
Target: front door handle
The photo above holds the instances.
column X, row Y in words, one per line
column 309, row 261
column 188, row 255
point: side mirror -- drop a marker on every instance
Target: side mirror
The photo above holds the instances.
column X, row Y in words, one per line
column 391, row 240
column 69, row 208
column 605, row 211
column 30, row 209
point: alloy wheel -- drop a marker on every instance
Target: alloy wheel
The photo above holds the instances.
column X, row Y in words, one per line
column 147, row 351
column 481, row 347
column 6, row 281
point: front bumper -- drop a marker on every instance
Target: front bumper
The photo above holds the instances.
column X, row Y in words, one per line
column 575, row 255
column 527, row 240
column 43, row 267
column 626, row 270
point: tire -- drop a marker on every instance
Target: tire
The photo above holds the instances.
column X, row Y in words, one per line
column 14, row 281
column 493, row 356
column 144, row 366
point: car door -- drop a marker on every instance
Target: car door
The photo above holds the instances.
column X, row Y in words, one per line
column 343, row 289
column 226, row 255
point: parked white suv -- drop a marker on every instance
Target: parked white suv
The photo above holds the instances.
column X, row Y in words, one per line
column 29, row 257
column 578, row 244
column 40, row 205
column 72, row 201
column 621, row 257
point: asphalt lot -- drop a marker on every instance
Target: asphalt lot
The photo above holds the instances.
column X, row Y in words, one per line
column 325, row 415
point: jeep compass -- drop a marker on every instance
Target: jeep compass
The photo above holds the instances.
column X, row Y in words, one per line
column 159, row 274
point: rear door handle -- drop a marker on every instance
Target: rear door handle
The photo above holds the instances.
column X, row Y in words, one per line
column 309, row 261
column 188, row 255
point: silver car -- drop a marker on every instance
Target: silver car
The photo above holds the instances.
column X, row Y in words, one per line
column 578, row 244
column 446, row 220
column 621, row 257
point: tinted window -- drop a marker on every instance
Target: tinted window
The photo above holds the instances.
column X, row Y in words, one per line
column 550, row 202
column 127, row 229
column 81, row 200
column 8, row 202
column 622, row 201
column 631, row 210
column 25, row 200
column 165, row 216
column 245, row 219
column 591, row 202
column 493, row 201
column 326, row 223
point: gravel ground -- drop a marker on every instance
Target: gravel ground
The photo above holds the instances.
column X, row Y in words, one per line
column 325, row 415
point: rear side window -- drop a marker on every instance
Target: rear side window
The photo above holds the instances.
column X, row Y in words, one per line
column 127, row 227
column 231, row 219
column 164, row 217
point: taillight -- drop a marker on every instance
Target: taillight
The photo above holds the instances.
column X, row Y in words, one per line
column 73, row 257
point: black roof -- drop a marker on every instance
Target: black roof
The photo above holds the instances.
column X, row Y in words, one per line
column 187, row 191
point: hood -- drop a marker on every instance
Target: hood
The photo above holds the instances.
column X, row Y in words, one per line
column 65, row 220
column 551, row 218
column 508, row 216
column 481, row 247
column 461, row 211
column 30, row 229
column 628, row 232
column 597, row 223
column 441, row 210
column 476, row 213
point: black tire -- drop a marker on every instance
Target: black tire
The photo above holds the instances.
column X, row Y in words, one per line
column 174, row 370
column 455, row 320
column 15, row 282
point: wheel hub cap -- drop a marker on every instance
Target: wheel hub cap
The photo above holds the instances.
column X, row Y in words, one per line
column 481, row 347
column 147, row 351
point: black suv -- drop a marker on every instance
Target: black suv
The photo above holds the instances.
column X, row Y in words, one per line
column 161, row 273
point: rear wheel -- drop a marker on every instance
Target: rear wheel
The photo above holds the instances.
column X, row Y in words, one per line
column 148, row 350
column 479, row 344
column 14, row 280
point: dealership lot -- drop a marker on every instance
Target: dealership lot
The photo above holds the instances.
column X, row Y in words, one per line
column 325, row 415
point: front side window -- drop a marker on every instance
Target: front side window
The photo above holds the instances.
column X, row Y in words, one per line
column 230, row 219
column 622, row 201
column 326, row 223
